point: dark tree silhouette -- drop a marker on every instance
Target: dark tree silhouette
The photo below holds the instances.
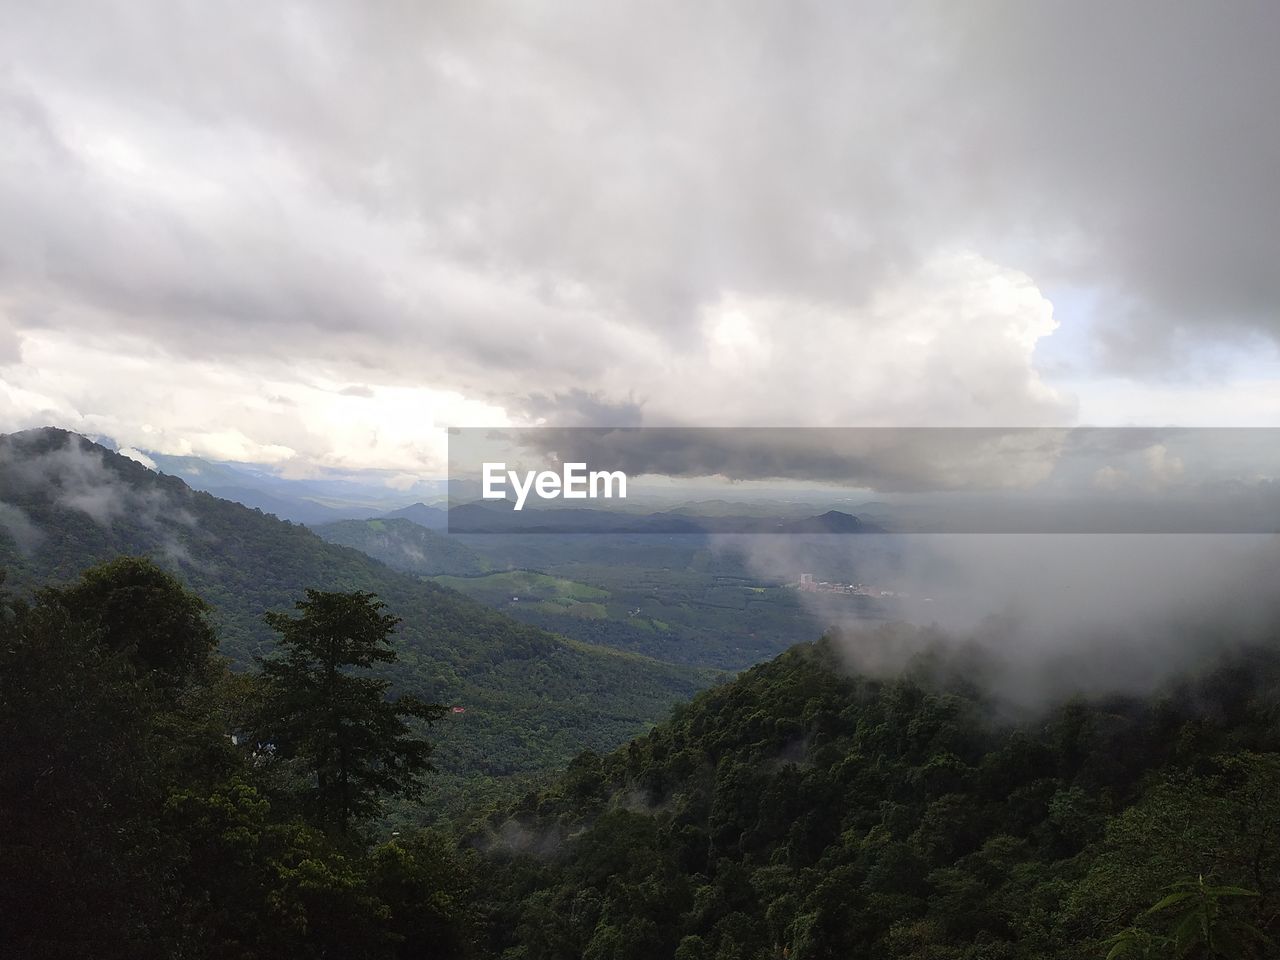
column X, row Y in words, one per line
column 324, row 709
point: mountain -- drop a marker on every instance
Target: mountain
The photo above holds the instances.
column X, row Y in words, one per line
column 433, row 518
column 677, row 615
column 253, row 488
column 403, row 544
column 833, row 521
column 327, row 496
column 295, row 509
column 805, row 812
column 531, row 698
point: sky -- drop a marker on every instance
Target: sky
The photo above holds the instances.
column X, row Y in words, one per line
column 315, row 234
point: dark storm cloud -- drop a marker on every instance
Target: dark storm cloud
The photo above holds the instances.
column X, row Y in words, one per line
column 1129, row 479
column 899, row 460
column 1146, row 130
column 887, row 459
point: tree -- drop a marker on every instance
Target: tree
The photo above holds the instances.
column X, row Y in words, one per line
column 104, row 707
column 77, row 772
column 143, row 612
column 353, row 743
column 427, row 883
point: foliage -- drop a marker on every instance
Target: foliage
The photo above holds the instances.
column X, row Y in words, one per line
column 803, row 812
column 142, row 612
column 1196, row 919
column 136, row 821
column 355, row 745
column 689, row 608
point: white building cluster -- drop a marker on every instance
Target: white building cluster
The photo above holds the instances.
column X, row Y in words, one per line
column 809, row 585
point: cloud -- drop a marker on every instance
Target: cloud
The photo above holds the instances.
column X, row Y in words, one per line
column 1075, row 479
column 17, row 526
column 139, row 456
column 1110, row 478
column 678, row 213
column 1165, row 468
column 908, row 460
column 157, row 402
column 1142, row 133
column 1040, row 618
column 10, row 343
column 74, row 475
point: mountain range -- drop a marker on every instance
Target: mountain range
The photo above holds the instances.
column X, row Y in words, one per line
column 531, row 698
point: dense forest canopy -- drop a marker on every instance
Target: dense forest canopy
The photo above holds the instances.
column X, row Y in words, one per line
column 804, row 812
column 149, row 807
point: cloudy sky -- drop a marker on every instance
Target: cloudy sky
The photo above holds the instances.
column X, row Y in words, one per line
column 313, row 234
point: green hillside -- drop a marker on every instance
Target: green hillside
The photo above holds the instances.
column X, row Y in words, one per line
column 684, row 616
column 513, row 586
column 531, row 699
column 670, row 598
column 801, row 812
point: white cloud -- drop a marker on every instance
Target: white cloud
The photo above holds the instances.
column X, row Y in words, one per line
column 1110, row 478
column 227, row 412
column 139, row 456
column 950, row 344
column 231, row 228
column 10, row 344
column 1165, row 468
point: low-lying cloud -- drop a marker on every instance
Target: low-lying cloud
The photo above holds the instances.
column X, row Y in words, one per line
column 45, row 469
column 1040, row 617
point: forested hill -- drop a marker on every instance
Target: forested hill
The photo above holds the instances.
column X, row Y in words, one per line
column 531, row 698
column 804, row 813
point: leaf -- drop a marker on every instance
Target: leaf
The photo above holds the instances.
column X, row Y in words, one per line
column 1230, row 892
column 1169, row 901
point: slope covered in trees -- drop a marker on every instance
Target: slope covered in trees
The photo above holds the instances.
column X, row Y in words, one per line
column 531, row 699
column 803, row 812
column 153, row 803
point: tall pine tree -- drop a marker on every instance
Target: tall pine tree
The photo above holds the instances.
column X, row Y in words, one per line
column 324, row 710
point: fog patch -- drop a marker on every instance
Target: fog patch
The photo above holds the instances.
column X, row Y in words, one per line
column 1035, row 618
column 71, row 473
column 516, row 838
column 15, row 524
column 640, row 800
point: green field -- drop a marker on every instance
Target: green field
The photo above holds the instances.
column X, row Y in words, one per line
column 516, row 586
column 694, row 616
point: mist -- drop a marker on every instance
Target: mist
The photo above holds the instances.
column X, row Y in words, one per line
column 43, row 470
column 1038, row 618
